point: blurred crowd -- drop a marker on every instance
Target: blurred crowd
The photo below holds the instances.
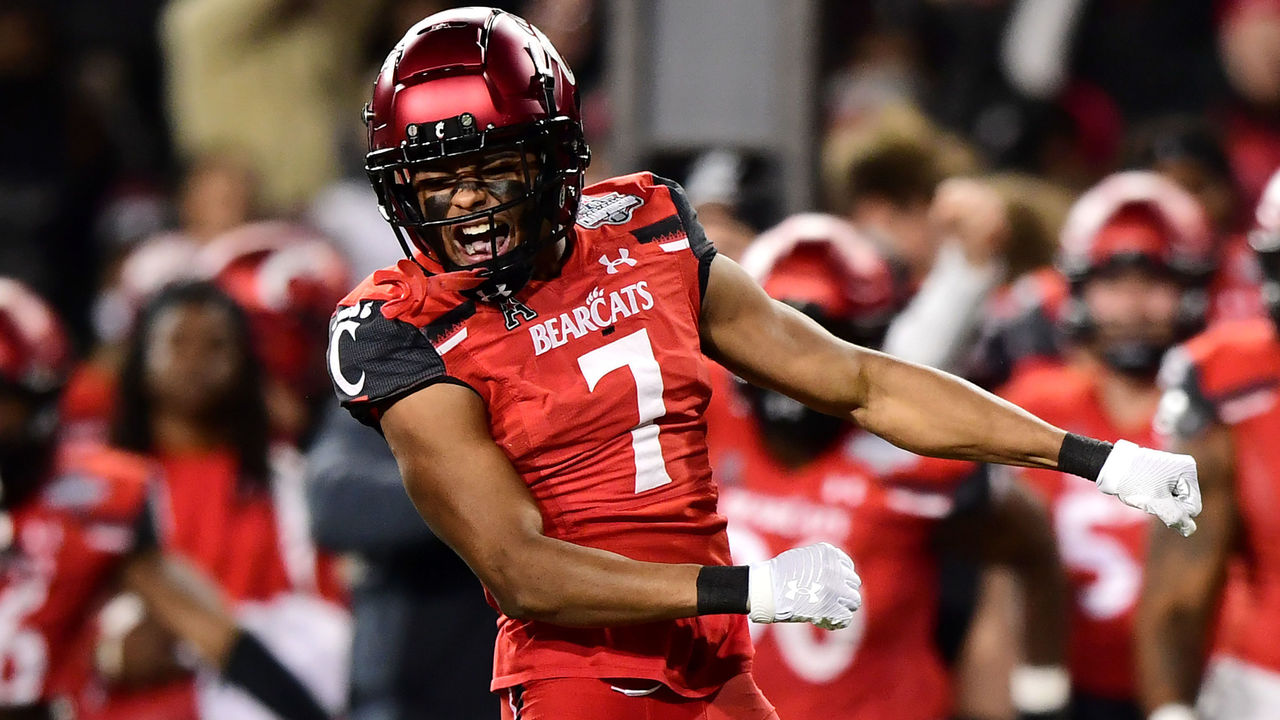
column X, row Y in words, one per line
column 182, row 182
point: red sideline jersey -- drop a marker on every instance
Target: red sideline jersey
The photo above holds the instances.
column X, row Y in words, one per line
column 880, row 504
column 1102, row 542
column 595, row 387
column 68, row 538
column 1230, row 374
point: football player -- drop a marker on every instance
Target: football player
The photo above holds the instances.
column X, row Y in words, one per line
column 790, row 475
column 1137, row 253
column 536, row 367
column 73, row 520
column 1220, row 405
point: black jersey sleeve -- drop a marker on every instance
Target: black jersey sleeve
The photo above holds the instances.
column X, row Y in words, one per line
column 698, row 241
column 374, row 361
column 1185, row 410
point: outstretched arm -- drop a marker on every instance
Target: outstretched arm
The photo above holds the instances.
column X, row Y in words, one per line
column 917, row 408
column 920, row 409
column 1183, row 581
column 466, row 489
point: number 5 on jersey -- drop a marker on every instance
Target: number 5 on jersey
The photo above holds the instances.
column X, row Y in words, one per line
column 635, row 353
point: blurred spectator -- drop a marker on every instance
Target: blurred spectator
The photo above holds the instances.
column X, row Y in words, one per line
column 269, row 78
column 1249, row 39
column 218, row 192
column 1192, row 153
column 714, row 187
column 191, row 396
column 54, row 164
column 406, row 663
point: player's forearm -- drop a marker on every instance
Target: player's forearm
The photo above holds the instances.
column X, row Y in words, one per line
column 1170, row 648
column 1182, row 579
column 934, row 413
column 1044, row 624
column 558, row 582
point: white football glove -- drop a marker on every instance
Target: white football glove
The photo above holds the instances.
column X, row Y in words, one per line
column 814, row 584
column 1160, row 483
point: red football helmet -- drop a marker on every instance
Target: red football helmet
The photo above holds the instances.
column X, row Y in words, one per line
column 35, row 356
column 1265, row 240
column 820, row 265
column 287, row 278
column 469, row 81
column 1137, row 218
column 826, row 268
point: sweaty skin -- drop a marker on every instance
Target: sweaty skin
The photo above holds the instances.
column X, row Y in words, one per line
column 466, row 489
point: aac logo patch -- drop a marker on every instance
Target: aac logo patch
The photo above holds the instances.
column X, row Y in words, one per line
column 611, row 209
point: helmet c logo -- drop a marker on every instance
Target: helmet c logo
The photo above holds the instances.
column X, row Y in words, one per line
column 344, row 324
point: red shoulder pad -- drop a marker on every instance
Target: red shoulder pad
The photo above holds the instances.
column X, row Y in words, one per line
column 1232, row 355
column 1227, row 374
column 100, row 482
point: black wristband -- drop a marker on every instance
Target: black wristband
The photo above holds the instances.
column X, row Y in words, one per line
column 1083, row 456
column 723, row 589
column 251, row 666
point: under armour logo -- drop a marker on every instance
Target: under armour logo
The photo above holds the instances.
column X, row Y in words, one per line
column 499, row 291
column 811, row 591
column 624, row 258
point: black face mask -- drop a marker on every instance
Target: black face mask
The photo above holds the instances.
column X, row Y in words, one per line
column 1138, row 359
column 790, row 423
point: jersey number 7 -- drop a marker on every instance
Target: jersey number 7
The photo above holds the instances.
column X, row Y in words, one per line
column 635, row 353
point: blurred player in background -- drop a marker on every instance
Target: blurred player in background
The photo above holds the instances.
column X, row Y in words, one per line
column 1220, row 404
column 74, row 520
column 790, row 475
column 536, row 367
column 1137, row 252
column 191, row 396
column 284, row 275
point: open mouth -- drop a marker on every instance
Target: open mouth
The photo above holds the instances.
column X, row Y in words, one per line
column 481, row 240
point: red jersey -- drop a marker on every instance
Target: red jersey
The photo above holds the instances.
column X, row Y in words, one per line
column 595, row 387
column 1230, row 374
column 1102, row 542
column 68, row 538
column 253, row 544
column 878, row 503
